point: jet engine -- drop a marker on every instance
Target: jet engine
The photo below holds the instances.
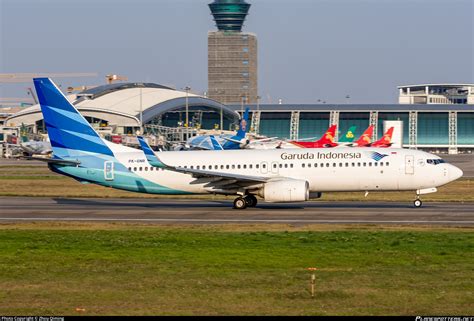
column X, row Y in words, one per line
column 285, row 191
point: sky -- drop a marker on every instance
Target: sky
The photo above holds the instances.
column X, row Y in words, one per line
column 309, row 50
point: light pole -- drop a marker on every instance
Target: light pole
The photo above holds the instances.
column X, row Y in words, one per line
column 187, row 88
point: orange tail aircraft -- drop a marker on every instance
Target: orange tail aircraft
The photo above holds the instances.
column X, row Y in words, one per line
column 365, row 139
column 327, row 140
column 385, row 141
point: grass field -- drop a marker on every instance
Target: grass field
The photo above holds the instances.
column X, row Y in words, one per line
column 39, row 181
column 70, row 269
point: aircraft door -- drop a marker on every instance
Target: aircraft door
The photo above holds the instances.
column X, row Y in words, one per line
column 109, row 170
column 409, row 165
column 274, row 168
column 264, row 167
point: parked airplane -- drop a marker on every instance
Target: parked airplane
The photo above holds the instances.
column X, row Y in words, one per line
column 327, row 140
column 275, row 175
column 36, row 147
column 385, row 141
column 349, row 137
column 365, row 139
column 237, row 141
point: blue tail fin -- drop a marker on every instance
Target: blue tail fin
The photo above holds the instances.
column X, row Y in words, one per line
column 150, row 155
column 69, row 132
column 244, row 123
column 215, row 143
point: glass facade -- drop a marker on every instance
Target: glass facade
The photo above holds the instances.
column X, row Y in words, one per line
column 465, row 128
column 275, row 124
column 433, row 129
column 201, row 117
column 393, row 116
column 346, row 120
column 313, row 125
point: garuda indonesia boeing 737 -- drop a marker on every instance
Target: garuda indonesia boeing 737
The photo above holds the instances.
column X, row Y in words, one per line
column 275, row 175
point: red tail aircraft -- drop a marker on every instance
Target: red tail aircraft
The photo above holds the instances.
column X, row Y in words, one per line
column 327, row 140
column 365, row 139
column 385, row 141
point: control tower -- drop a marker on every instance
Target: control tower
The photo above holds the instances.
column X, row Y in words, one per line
column 232, row 55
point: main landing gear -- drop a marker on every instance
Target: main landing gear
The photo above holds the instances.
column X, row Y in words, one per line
column 242, row 202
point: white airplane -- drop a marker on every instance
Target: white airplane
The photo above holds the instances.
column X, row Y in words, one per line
column 275, row 175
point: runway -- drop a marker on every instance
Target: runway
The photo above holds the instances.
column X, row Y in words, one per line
column 177, row 211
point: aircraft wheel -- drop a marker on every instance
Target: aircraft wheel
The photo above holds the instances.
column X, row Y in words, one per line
column 251, row 200
column 240, row 203
column 417, row 203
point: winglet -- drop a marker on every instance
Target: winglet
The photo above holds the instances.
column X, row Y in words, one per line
column 215, row 143
column 150, row 155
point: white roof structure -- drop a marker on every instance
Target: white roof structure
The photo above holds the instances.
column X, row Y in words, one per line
column 120, row 104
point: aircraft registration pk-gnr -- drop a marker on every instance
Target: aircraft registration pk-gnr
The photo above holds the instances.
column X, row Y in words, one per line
column 275, row 175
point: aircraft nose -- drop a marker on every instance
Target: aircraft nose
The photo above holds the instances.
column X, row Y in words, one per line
column 455, row 173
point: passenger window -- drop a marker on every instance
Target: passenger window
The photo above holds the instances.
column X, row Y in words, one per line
column 257, row 166
column 303, row 165
column 387, row 164
column 315, row 164
column 291, row 165
column 204, row 167
column 233, row 166
column 347, row 164
column 327, row 164
column 340, row 164
column 370, row 164
column 365, row 164
column 238, row 166
column 192, row 167
column 222, row 166
column 250, row 166
column 281, row 165
column 264, row 166
column 376, row 164
column 309, row 165
column 381, row 164
column 141, row 168
column 227, row 166
column 134, row 169
column 358, row 164
column 274, row 165
column 146, row 169
column 245, row 166
column 286, row 165
column 129, row 169
column 216, row 167
column 334, row 164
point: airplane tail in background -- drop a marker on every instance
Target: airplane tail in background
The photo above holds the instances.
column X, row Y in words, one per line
column 366, row 138
column 328, row 137
column 69, row 132
column 244, row 124
column 386, row 140
column 349, row 136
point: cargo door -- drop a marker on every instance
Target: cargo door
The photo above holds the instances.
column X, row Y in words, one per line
column 109, row 171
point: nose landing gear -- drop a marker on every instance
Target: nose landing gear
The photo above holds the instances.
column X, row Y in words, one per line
column 417, row 203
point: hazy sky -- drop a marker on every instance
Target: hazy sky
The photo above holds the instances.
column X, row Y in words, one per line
column 308, row 49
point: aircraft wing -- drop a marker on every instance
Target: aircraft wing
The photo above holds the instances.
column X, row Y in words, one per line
column 213, row 180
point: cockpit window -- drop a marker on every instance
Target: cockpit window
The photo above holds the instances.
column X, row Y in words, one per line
column 435, row 161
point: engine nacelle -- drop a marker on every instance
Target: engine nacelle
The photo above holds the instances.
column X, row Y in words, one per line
column 285, row 191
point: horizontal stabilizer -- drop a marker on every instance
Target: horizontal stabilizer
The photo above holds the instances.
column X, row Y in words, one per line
column 56, row 161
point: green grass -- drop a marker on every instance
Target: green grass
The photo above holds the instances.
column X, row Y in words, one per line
column 126, row 269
